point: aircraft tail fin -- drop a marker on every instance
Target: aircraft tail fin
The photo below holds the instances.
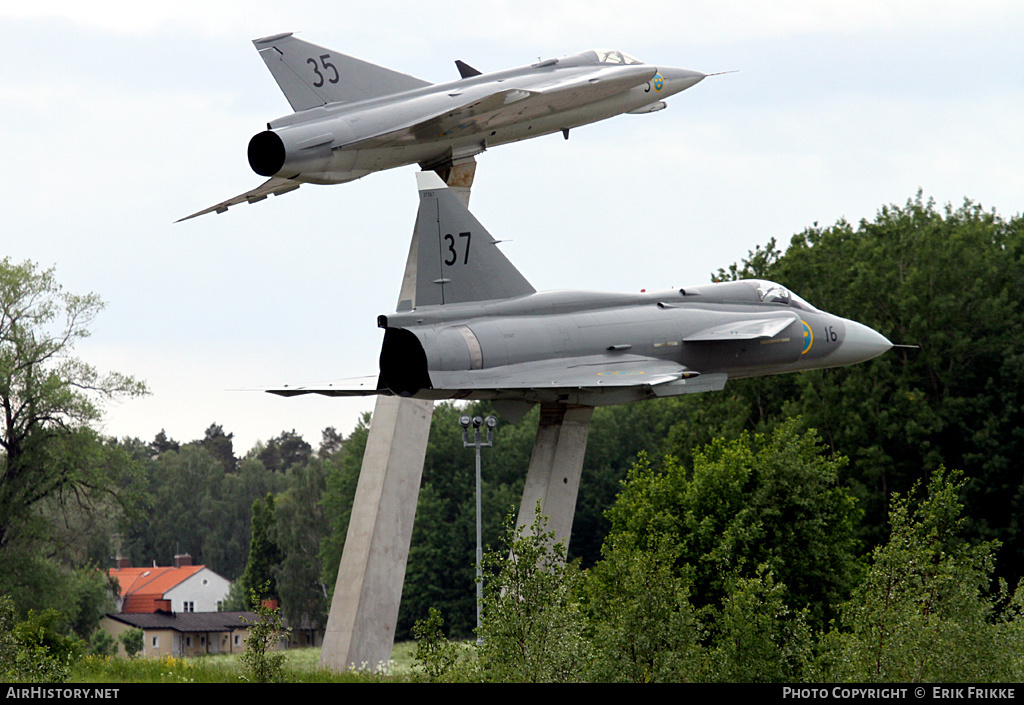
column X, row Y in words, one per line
column 311, row 75
column 457, row 260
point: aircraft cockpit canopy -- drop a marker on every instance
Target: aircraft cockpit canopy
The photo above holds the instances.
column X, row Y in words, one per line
column 773, row 293
column 600, row 57
column 611, row 56
column 749, row 291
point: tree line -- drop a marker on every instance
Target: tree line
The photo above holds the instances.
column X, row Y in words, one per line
column 947, row 280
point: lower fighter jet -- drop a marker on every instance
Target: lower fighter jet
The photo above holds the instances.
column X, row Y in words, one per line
column 479, row 330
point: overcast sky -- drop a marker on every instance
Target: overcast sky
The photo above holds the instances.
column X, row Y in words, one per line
column 121, row 117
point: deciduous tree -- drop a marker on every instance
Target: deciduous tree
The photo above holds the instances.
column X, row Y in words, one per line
column 48, row 397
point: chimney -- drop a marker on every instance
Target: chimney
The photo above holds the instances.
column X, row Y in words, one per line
column 182, row 559
column 122, row 563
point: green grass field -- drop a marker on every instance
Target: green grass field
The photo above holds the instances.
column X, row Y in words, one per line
column 301, row 666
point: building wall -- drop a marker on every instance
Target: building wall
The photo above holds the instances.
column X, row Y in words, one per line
column 161, row 642
column 169, row 642
column 114, row 628
column 204, row 591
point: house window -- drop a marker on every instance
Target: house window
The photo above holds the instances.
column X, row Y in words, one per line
column 189, row 607
column 156, row 642
column 188, row 641
column 238, row 640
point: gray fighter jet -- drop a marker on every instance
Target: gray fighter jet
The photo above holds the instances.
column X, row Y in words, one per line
column 479, row 330
column 352, row 117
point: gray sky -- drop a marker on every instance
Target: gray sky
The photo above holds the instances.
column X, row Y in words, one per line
column 119, row 118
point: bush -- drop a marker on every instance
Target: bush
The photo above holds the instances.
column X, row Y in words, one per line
column 263, row 662
column 132, row 640
column 435, row 655
column 925, row 612
column 25, row 656
column 533, row 625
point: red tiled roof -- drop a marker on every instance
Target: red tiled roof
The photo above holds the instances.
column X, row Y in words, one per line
column 143, row 588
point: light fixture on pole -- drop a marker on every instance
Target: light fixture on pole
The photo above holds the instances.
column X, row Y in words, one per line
column 476, row 422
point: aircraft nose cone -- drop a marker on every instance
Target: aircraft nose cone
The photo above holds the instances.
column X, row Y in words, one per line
column 680, row 79
column 859, row 344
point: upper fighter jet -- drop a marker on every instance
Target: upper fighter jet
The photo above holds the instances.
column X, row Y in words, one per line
column 478, row 330
column 352, row 117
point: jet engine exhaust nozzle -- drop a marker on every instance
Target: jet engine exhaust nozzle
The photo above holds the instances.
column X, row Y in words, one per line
column 266, row 153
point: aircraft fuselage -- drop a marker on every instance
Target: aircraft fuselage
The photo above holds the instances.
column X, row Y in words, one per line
column 341, row 142
column 720, row 331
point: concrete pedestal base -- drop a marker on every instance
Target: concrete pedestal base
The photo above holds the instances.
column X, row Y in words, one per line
column 555, row 468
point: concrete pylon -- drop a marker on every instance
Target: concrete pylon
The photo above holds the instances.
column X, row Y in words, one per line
column 555, row 468
column 364, row 610
column 361, row 624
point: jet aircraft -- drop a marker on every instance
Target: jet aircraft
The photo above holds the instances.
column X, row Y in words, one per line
column 479, row 330
column 353, row 118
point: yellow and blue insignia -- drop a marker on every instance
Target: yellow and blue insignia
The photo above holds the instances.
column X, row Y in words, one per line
column 658, row 82
column 808, row 337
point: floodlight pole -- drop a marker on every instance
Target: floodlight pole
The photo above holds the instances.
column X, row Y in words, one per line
column 477, row 422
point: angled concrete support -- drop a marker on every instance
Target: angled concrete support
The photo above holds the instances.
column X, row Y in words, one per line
column 364, row 610
column 361, row 625
column 555, row 467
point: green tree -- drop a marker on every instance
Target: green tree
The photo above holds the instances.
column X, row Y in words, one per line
column 435, row 656
column 48, row 397
column 758, row 637
column 102, row 644
column 264, row 554
column 757, row 501
column 196, row 506
column 162, row 443
column 25, row 661
column 262, row 658
column 643, row 626
column 945, row 279
column 49, row 631
column 300, row 528
column 221, row 446
column 280, row 453
column 132, row 641
column 925, row 611
column 330, row 442
column 339, row 495
column 534, row 626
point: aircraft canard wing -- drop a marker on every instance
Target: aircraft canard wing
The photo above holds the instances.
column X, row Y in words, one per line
column 353, row 387
column 274, row 186
column 574, row 373
column 311, row 75
column 744, row 329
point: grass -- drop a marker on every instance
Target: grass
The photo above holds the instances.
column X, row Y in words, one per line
column 301, row 666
